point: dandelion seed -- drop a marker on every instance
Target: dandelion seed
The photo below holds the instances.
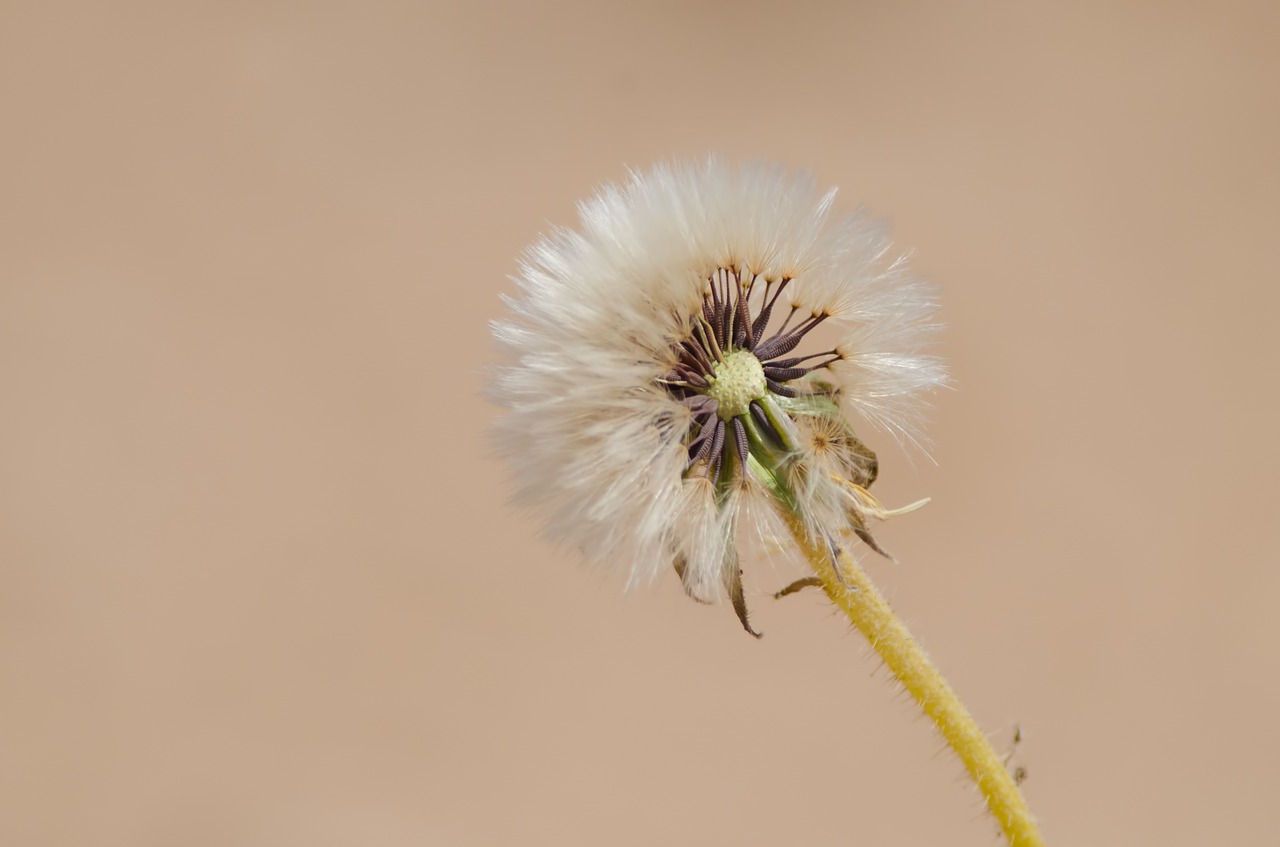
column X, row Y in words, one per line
column 664, row 377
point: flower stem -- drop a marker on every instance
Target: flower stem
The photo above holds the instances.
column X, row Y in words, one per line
column 870, row 613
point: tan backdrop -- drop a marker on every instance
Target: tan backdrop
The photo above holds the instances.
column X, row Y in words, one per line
column 258, row 584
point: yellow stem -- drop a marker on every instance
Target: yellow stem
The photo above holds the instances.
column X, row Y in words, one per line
column 906, row 659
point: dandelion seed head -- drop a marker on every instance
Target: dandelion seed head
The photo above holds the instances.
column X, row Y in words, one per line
column 664, row 387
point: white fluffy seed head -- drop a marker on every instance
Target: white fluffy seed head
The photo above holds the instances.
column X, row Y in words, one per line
column 598, row 446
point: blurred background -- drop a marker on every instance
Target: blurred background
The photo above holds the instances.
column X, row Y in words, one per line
column 259, row 584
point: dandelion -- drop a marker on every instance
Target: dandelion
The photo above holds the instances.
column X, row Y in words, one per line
column 683, row 375
column 664, row 378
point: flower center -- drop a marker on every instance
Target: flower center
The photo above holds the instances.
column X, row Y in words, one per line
column 739, row 379
column 731, row 364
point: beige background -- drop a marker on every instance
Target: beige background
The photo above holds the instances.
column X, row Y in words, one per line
column 258, row 584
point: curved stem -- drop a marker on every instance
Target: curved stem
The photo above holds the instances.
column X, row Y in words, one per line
column 854, row 594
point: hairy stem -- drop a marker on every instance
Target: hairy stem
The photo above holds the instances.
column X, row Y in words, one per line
column 854, row 594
